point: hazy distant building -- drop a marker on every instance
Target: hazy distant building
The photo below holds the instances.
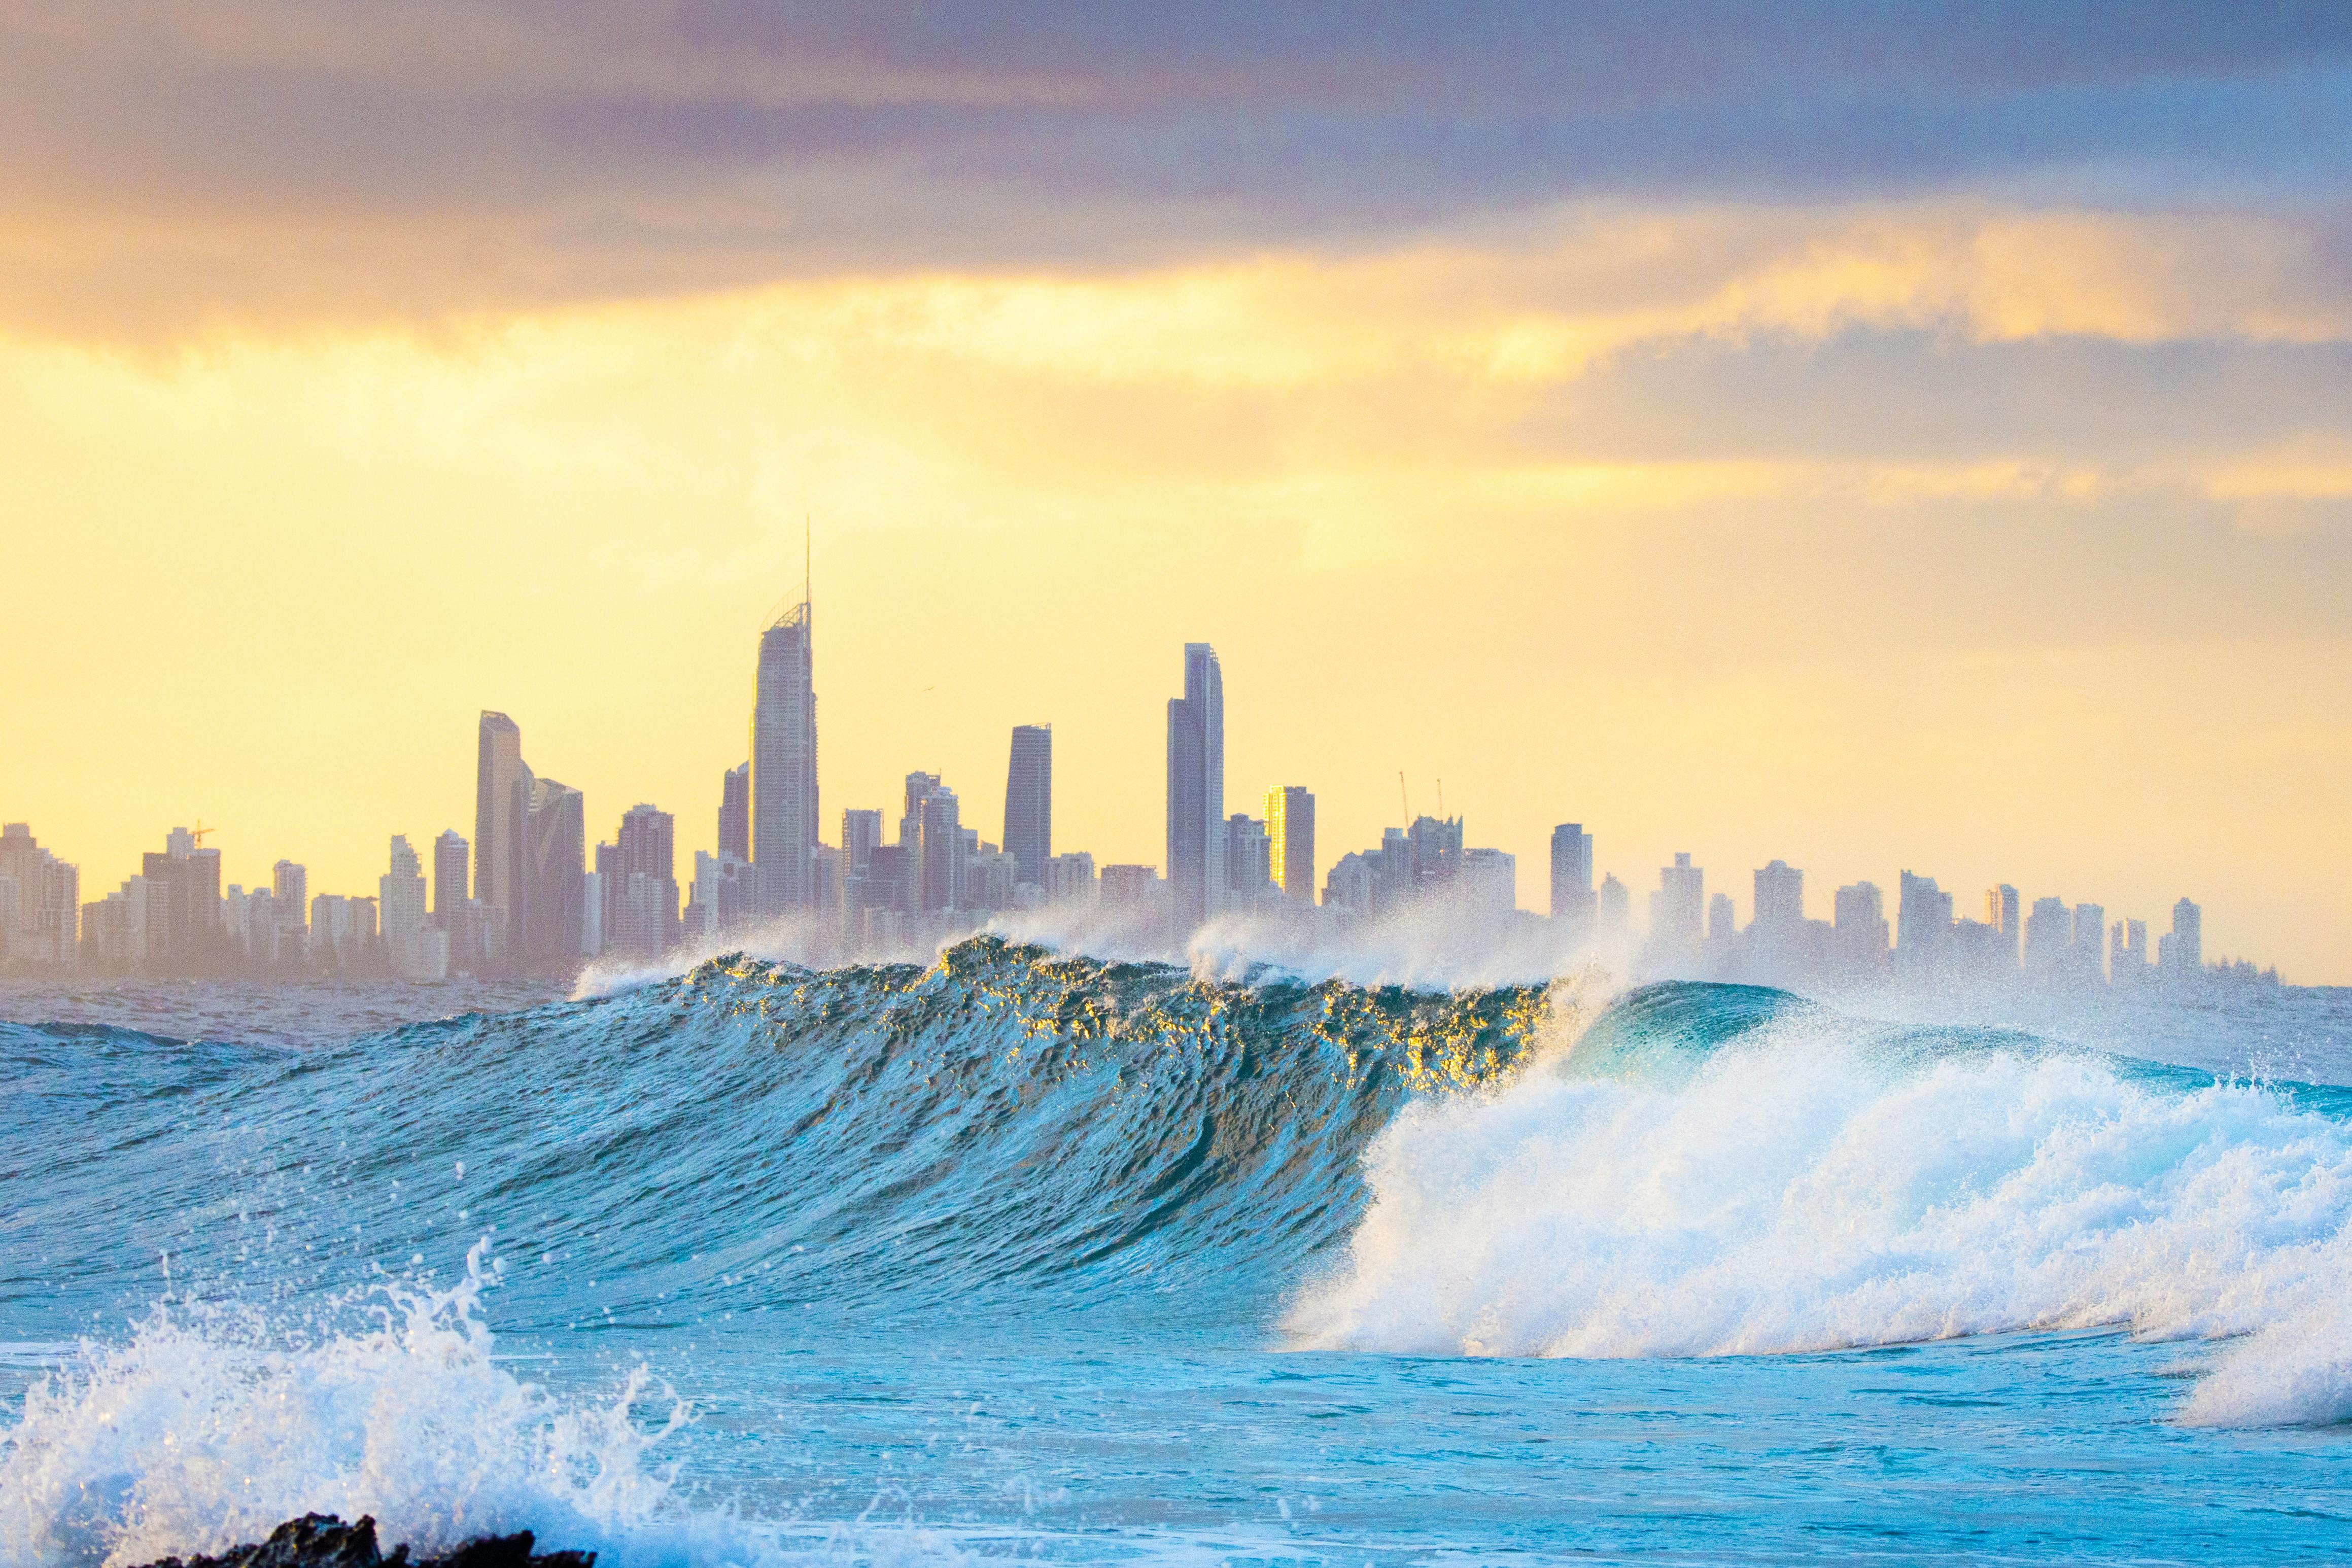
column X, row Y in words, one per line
column 2086, row 950
column 2049, row 931
column 555, row 833
column 1923, row 924
column 1616, row 902
column 1249, row 860
column 720, row 899
column 1722, row 920
column 1196, row 789
column 343, row 933
column 501, row 809
column 639, row 883
column 1070, row 878
column 861, row 835
column 417, row 948
column 44, row 924
column 1488, row 881
column 1678, row 908
column 289, row 892
column 2180, row 953
column 1290, row 834
column 1029, row 801
column 182, row 905
column 1858, row 931
column 1131, row 889
column 1572, row 897
column 783, row 765
column 1434, row 848
column 735, row 814
column 1779, row 898
column 2001, row 914
column 2127, row 955
column 939, row 850
column 450, row 864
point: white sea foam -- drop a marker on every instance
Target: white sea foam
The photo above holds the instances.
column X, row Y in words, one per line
column 207, row 1428
column 1799, row 1193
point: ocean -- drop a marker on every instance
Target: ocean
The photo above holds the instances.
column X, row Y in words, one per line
column 1026, row 1255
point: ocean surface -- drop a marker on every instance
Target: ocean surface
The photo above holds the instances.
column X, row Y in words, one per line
column 1019, row 1255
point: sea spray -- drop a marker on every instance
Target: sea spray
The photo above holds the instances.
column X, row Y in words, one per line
column 1808, row 1188
column 210, row 1425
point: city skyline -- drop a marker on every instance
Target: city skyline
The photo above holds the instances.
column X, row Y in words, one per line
column 536, row 908
column 542, row 821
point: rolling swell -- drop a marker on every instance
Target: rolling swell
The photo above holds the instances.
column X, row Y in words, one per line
column 746, row 1137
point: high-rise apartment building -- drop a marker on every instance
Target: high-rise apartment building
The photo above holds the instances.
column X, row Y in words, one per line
column 1678, row 909
column 1029, row 801
column 1572, row 873
column 783, row 765
column 450, row 870
column 910, row 817
column 1923, row 923
column 735, row 814
column 1616, row 901
column 1070, row 878
column 2049, row 930
column 939, row 850
column 2001, row 914
column 556, row 830
column 1196, row 788
column 501, row 812
column 289, row 892
column 45, row 922
column 1290, row 834
column 1859, row 934
column 638, row 881
column 1488, row 881
column 1779, row 898
column 1249, row 860
column 418, row 950
column 2086, row 951
column 2180, row 953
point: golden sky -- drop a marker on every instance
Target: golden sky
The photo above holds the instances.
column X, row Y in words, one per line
column 1987, row 532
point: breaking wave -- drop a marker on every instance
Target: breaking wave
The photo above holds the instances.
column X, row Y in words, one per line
column 1541, row 1170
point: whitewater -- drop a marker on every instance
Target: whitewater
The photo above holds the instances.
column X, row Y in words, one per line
column 1015, row 1252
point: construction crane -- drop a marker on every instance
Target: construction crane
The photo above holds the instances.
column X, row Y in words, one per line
column 198, row 832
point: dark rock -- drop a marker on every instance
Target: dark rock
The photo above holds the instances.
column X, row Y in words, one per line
column 322, row 1540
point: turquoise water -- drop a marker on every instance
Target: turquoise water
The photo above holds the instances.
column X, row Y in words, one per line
column 1019, row 1256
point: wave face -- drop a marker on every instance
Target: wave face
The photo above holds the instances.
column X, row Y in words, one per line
column 747, row 1137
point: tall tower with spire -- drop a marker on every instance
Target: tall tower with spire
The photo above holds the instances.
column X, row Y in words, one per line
column 784, row 764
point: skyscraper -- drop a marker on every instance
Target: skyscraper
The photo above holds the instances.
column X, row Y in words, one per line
column 1922, row 922
column 1678, row 909
column 640, row 881
column 501, row 807
column 783, row 765
column 1029, row 801
column 1860, row 934
column 939, row 851
column 2180, row 953
column 418, row 950
column 1290, row 830
column 46, row 923
column 1572, row 873
column 1196, row 788
column 1249, row 859
column 1779, row 898
column 556, row 830
column 2001, row 914
column 735, row 814
column 450, row 858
